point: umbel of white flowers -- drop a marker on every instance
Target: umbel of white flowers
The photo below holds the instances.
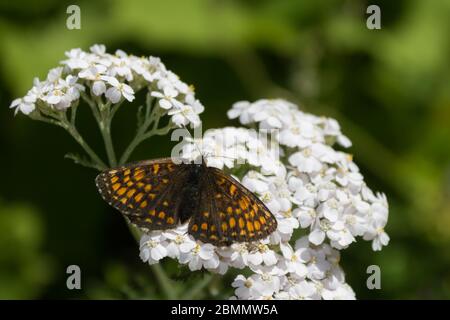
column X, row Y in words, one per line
column 312, row 188
column 316, row 192
column 104, row 81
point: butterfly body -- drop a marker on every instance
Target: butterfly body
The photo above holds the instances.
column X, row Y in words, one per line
column 159, row 194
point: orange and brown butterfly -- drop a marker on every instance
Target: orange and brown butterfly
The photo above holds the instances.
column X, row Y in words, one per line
column 159, row 194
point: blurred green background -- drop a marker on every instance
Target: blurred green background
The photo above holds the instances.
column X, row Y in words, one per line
column 388, row 88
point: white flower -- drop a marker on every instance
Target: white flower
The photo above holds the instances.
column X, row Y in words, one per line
column 295, row 260
column 304, row 290
column 77, row 59
column 61, row 94
column 343, row 292
column 178, row 242
column 200, row 256
column 152, row 249
column 118, row 90
column 376, row 233
column 236, row 255
column 245, row 288
column 184, row 115
column 300, row 134
column 120, row 66
column 262, row 254
column 24, row 105
column 167, row 98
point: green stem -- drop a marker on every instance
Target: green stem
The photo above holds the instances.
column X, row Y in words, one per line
column 103, row 114
column 192, row 294
column 78, row 138
column 141, row 134
column 105, row 129
column 164, row 281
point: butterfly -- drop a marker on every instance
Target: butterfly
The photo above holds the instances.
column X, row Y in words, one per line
column 159, row 194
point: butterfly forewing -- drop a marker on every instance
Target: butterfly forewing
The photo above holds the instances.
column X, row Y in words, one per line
column 231, row 214
column 145, row 192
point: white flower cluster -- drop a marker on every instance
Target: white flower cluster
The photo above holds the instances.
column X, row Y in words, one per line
column 114, row 77
column 316, row 193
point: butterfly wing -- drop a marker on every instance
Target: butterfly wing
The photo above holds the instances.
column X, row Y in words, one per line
column 236, row 214
column 145, row 192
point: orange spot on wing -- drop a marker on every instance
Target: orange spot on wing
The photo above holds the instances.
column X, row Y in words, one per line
column 143, row 204
column 224, row 226
column 161, row 215
column 232, row 222
column 241, row 223
column 243, row 204
column 138, row 197
column 131, row 193
column 121, row 191
column 114, row 179
column 155, row 168
column 204, row 226
column 116, row 186
column 139, row 175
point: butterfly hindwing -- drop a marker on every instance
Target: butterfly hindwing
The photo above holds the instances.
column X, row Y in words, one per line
column 145, row 192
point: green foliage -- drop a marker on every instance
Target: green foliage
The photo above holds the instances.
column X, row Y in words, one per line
column 25, row 269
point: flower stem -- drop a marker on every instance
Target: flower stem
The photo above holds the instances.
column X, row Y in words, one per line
column 193, row 292
column 105, row 129
column 99, row 164
column 164, row 281
column 142, row 134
